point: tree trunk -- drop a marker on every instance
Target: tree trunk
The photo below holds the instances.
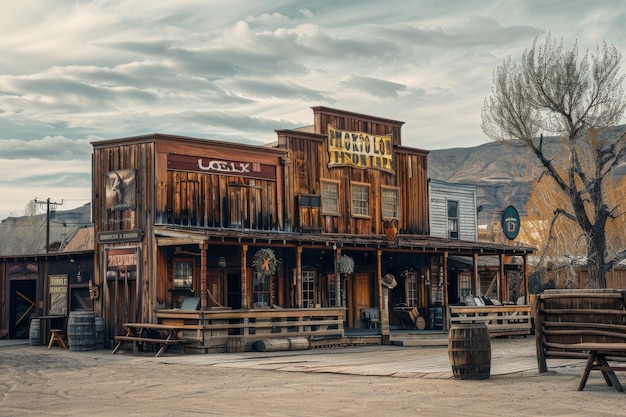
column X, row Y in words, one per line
column 596, row 264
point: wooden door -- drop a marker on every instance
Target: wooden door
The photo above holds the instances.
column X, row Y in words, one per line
column 361, row 298
column 122, row 301
column 22, row 307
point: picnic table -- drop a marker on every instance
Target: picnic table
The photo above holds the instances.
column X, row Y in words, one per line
column 150, row 333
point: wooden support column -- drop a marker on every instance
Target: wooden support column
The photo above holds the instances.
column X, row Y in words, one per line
column 475, row 276
column 286, row 161
column 337, row 279
column 244, row 277
column 444, row 293
column 299, row 277
column 204, row 303
column 525, row 272
column 382, row 295
column 502, row 277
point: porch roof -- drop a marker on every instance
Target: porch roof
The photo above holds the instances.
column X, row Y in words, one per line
column 168, row 235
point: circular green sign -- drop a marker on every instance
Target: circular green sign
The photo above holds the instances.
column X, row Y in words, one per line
column 510, row 222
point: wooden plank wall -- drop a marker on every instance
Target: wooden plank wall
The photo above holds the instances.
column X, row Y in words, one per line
column 310, row 158
column 202, row 199
column 139, row 156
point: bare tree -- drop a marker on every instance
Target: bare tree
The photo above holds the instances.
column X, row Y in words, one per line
column 30, row 209
column 553, row 92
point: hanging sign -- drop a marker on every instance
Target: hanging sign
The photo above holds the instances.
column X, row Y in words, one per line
column 58, row 294
column 510, row 222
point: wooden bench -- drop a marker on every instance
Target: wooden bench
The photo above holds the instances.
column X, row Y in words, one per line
column 585, row 324
column 134, row 333
column 597, row 361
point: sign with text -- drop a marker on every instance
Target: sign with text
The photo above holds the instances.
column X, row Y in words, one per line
column 221, row 166
column 510, row 222
column 120, row 236
column 57, row 289
column 359, row 150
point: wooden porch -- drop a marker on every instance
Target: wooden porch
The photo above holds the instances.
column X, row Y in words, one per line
column 227, row 330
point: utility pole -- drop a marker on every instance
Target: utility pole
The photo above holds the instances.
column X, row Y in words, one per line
column 54, row 205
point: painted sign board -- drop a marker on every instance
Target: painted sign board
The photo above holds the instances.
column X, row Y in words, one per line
column 510, row 222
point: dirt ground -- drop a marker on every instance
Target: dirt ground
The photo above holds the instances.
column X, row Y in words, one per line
column 35, row 381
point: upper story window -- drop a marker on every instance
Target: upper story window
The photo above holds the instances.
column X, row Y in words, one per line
column 330, row 197
column 360, row 200
column 453, row 219
column 390, row 203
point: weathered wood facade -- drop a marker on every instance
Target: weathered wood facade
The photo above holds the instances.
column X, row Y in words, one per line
column 333, row 217
column 33, row 286
column 453, row 210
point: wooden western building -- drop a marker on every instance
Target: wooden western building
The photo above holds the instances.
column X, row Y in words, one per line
column 323, row 233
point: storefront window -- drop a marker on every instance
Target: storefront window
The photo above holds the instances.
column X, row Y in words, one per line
column 183, row 274
column 411, row 289
column 308, row 289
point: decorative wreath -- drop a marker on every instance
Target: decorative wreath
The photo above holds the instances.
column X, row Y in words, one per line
column 346, row 264
column 265, row 261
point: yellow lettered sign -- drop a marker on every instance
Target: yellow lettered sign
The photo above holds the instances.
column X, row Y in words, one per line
column 359, row 150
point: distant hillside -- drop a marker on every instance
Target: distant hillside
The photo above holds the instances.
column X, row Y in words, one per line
column 26, row 235
column 502, row 174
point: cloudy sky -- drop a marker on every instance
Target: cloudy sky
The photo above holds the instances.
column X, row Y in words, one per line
column 74, row 72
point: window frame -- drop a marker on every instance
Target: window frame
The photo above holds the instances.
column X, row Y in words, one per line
column 187, row 283
column 366, row 186
column 324, row 209
column 396, row 191
column 309, row 287
column 412, row 289
column 452, row 220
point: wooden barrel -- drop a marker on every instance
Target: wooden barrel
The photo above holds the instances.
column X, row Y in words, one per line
column 81, row 330
column 99, row 335
column 469, row 349
column 34, row 332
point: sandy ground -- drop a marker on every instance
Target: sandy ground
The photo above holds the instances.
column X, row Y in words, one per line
column 368, row 381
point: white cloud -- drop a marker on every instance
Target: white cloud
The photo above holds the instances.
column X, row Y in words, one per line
column 75, row 71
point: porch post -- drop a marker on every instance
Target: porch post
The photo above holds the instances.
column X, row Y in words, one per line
column 244, row 277
column 299, row 277
column 444, row 293
column 525, row 272
column 382, row 295
column 337, row 278
column 502, row 277
column 475, row 276
column 203, row 272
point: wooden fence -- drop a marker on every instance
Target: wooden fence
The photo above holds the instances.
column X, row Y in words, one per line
column 506, row 320
column 238, row 330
